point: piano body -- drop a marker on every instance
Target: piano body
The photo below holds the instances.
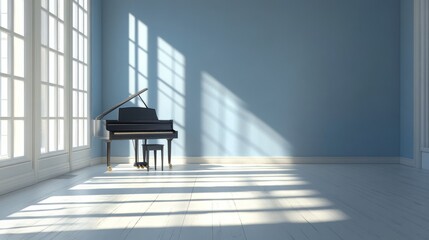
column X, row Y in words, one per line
column 134, row 123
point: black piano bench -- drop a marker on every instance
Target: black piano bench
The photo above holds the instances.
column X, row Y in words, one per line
column 147, row 148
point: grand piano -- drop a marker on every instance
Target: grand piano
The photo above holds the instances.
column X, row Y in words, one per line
column 134, row 123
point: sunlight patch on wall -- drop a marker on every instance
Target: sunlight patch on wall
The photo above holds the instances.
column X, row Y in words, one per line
column 138, row 58
column 137, row 62
column 229, row 129
column 171, row 91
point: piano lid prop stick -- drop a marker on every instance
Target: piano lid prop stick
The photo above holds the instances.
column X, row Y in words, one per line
column 143, row 101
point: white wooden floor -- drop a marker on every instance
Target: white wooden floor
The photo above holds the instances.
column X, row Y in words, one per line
column 223, row 202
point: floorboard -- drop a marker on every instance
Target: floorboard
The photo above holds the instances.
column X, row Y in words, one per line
column 223, row 202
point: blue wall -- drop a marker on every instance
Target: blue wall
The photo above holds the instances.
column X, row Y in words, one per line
column 96, row 67
column 406, row 86
column 240, row 78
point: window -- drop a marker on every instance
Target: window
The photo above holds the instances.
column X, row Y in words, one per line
column 80, row 73
column 59, row 33
column 12, row 79
column 52, row 76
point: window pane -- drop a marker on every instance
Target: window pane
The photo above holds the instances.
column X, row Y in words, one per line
column 60, row 134
column 52, row 67
column 85, row 24
column 75, row 136
column 80, row 143
column 75, row 104
column 44, row 65
column 44, row 28
column 85, row 78
column 80, row 104
column 61, row 9
column 60, row 102
column 85, row 105
column 18, row 98
column 75, row 75
column 52, row 101
column 19, row 62
column 44, row 101
column 85, row 132
column 52, row 135
column 75, row 44
column 18, row 136
column 4, row 52
column 85, row 50
column 80, row 47
column 45, row 4
column 53, row 6
column 44, row 140
column 80, row 20
column 75, row 19
column 4, row 13
column 19, row 16
column 4, row 137
column 80, row 76
column 52, row 33
column 60, row 70
column 60, row 37
column 85, row 5
column 4, row 97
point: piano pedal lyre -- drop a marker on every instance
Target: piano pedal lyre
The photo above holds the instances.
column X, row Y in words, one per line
column 139, row 165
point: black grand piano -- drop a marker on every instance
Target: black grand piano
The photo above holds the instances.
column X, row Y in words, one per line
column 134, row 123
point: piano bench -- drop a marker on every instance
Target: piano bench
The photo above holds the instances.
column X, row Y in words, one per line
column 153, row 147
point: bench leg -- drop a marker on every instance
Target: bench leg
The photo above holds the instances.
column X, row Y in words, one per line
column 154, row 154
column 147, row 159
column 162, row 159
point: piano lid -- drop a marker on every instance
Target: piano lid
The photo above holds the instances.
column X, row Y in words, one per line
column 99, row 117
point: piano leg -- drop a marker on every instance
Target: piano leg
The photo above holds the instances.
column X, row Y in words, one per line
column 169, row 152
column 136, row 152
column 109, row 168
column 145, row 162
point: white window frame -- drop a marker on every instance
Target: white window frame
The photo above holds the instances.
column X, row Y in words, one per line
column 53, row 111
column 28, row 83
column 82, row 114
column 33, row 84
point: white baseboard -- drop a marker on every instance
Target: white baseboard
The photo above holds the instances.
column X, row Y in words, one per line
column 97, row 160
column 289, row 160
column 22, row 175
column 267, row 160
column 425, row 160
column 408, row 161
column 17, row 176
column 54, row 171
column 85, row 162
column 17, row 182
